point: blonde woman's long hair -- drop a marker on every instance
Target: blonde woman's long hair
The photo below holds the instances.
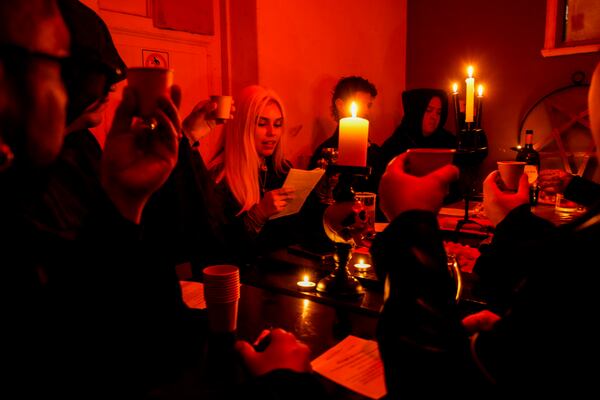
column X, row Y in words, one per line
column 236, row 160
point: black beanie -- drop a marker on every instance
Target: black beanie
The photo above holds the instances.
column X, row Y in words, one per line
column 92, row 50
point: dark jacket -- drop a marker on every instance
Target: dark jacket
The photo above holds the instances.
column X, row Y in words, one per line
column 545, row 339
column 583, row 191
column 276, row 233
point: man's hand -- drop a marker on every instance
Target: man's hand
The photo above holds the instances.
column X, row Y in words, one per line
column 496, row 203
column 283, row 352
column 137, row 160
column 399, row 191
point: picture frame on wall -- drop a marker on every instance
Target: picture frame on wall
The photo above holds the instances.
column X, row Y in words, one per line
column 572, row 27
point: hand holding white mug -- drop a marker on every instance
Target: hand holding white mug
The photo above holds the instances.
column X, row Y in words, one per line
column 496, row 203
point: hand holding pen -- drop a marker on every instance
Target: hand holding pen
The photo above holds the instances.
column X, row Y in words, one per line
column 275, row 349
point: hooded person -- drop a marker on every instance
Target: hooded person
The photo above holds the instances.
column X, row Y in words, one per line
column 425, row 113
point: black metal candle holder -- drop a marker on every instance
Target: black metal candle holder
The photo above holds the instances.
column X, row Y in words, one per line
column 472, row 149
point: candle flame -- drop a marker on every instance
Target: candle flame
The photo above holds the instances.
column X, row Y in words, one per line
column 305, row 278
column 480, row 90
column 455, row 88
column 353, row 109
column 361, row 261
column 470, row 71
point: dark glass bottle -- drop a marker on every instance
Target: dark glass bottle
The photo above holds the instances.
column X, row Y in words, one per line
column 532, row 165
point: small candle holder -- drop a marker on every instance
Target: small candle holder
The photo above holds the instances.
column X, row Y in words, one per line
column 305, row 284
column 346, row 224
column 361, row 266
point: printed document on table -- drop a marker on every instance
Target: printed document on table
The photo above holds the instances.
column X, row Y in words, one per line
column 303, row 182
column 193, row 294
column 354, row 363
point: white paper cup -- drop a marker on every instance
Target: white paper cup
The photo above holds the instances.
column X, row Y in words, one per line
column 222, row 317
column 221, row 283
column 510, row 173
column 149, row 84
column 223, row 110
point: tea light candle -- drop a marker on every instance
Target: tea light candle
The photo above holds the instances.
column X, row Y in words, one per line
column 361, row 266
column 353, row 140
column 305, row 284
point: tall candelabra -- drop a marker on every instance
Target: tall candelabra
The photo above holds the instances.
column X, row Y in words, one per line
column 472, row 145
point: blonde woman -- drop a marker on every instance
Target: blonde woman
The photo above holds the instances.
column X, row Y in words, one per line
column 250, row 168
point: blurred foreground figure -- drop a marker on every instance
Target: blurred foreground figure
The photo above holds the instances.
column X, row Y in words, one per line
column 540, row 337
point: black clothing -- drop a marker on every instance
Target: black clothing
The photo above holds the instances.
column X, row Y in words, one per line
column 279, row 232
column 185, row 217
column 73, row 187
column 93, row 53
column 98, row 311
column 370, row 184
column 545, row 340
column 409, row 134
column 182, row 217
column 495, row 268
column 583, row 191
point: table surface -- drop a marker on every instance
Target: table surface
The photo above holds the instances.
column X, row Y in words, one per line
column 318, row 325
column 271, row 298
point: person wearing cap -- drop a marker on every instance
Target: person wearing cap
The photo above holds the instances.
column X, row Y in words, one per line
column 54, row 331
column 118, row 319
column 182, row 213
column 89, row 76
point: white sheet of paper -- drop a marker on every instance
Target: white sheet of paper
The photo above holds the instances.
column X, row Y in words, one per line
column 354, row 363
column 193, row 294
column 303, row 182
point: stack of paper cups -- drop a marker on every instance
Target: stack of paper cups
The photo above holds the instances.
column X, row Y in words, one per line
column 222, row 294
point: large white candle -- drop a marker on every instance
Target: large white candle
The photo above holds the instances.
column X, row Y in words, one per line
column 470, row 95
column 353, row 141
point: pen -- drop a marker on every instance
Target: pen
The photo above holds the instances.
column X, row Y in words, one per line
column 262, row 341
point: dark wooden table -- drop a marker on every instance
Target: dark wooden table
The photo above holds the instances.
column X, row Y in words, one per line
column 216, row 366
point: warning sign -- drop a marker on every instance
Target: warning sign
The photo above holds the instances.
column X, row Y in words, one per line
column 154, row 58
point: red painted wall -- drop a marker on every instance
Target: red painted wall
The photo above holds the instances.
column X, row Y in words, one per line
column 304, row 47
column 503, row 40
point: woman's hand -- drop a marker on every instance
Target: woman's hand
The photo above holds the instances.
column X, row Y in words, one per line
column 201, row 121
column 283, row 352
column 275, row 201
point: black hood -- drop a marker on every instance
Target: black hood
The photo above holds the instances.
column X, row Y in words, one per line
column 92, row 51
column 415, row 104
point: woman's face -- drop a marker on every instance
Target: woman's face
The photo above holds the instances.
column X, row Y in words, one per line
column 268, row 129
column 431, row 119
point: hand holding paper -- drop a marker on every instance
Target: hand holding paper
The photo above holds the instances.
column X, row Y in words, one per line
column 303, row 183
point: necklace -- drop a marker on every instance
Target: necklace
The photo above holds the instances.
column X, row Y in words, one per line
column 263, row 177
